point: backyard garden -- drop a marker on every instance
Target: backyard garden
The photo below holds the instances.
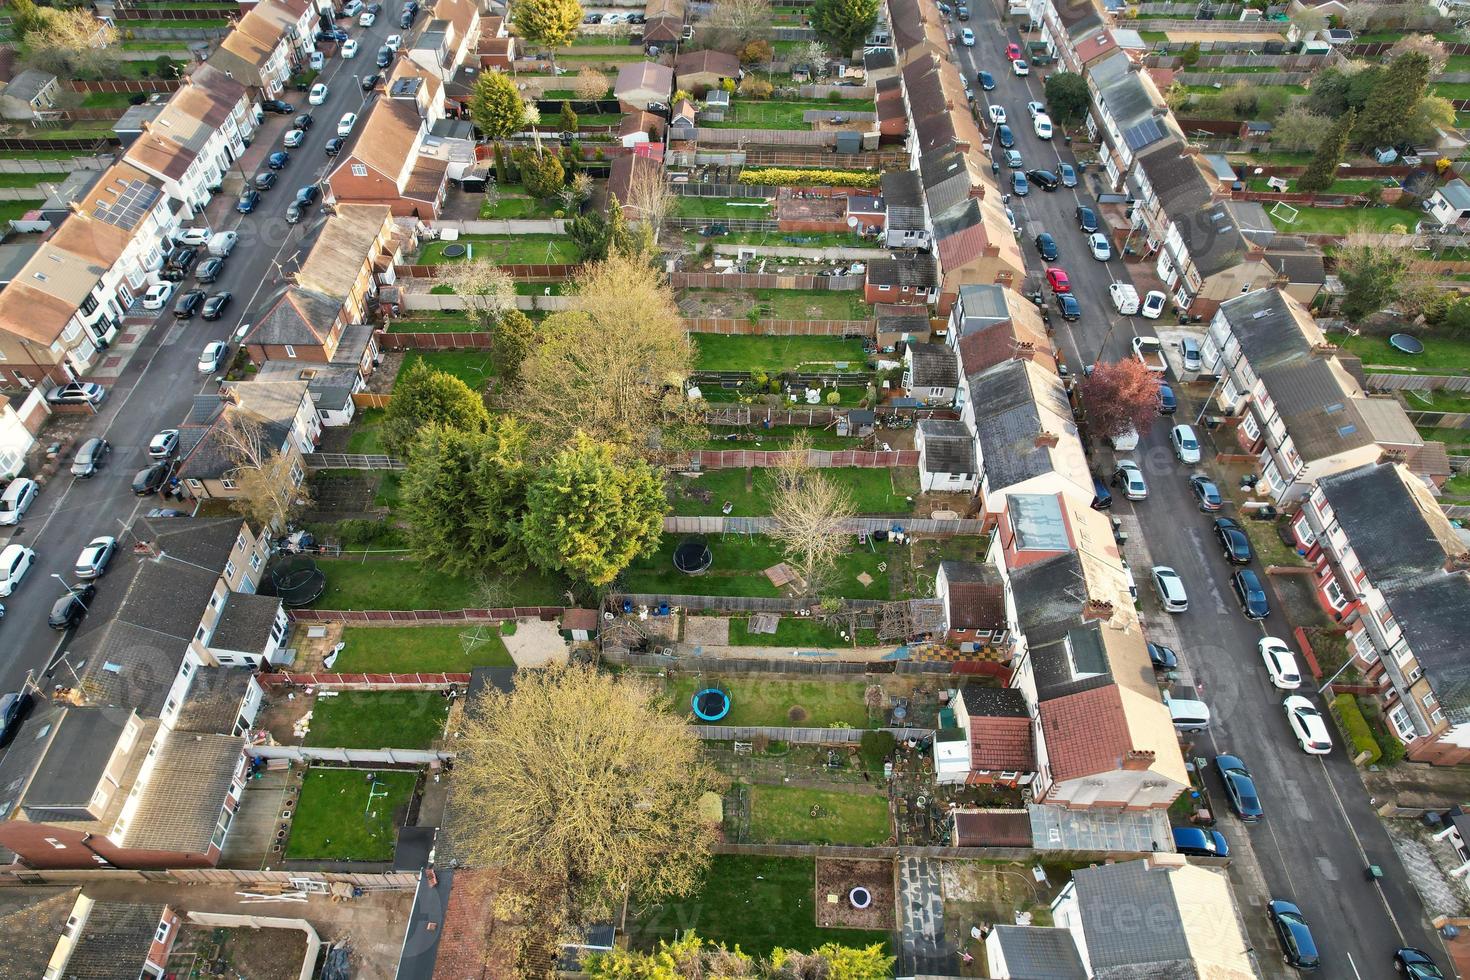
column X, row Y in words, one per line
column 377, row 719
column 349, row 814
column 412, row 649
column 874, row 490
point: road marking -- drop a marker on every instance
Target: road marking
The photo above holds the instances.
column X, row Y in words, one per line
column 1354, row 965
column 1362, row 854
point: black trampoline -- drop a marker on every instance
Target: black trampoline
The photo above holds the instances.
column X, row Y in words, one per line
column 454, row 251
column 693, row 556
column 298, row 581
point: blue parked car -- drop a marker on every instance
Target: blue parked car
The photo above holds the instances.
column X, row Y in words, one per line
column 1168, row 404
column 278, row 159
column 1240, row 788
column 1251, row 593
column 1197, row 842
column 1295, row 935
column 248, row 201
column 987, row 81
column 1019, row 185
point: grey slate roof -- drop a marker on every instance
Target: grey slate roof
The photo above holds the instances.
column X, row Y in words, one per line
column 994, row 702
column 1457, row 193
column 353, row 343
column 300, row 316
column 246, row 623
column 915, row 271
column 28, row 84
column 901, row 318
column 1176, row 179
column 1263, row 325
column 934, row 366
column 903, row 195
column 948, row 446
column 1067, row 654
column 1129, row 916
column 181, row 804
column 1033, row 951
column 115, row 941
column 330, row 385
column 983, row 304
column 1007, row 420
column 212, row 704
column 946, row 179
column 31, row 931
column 77, row 751
column 1214, row 237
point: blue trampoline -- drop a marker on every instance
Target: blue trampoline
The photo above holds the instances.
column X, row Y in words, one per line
column 711, row 704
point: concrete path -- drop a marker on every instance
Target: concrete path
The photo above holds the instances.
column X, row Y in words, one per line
column 921, row 918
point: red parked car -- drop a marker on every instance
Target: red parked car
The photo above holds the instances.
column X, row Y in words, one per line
column 1013, row 52
column 1058, row 281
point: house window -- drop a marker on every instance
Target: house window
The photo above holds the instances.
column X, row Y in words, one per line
column 359, row 170
column 255, row 562
column 290, row 351
column 226, row 483
column 1403, row 726
column 884, row 289
column 229, row 569
column 1334, row 595
column 199, row 634
column 1249, row 427
column 936, row 392
column 1429, row 701
column 162, row 934
column 1437, row 717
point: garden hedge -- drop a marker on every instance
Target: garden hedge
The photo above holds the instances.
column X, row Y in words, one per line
column 1355, row 727
column 790, row 177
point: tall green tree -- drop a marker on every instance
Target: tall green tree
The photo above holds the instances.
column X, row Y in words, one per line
column 549, row 23
column 543, row 174
column 423, row 397
column 589, row 514
column 513, row 336
column 1372, row 275
column 496, row 107
column 568, row 118
column 24, row 17
column 1066, row 96
column 463, row 493
column 589, row 232
column 1321, row 173
column 1388, row 115
column 843, row 24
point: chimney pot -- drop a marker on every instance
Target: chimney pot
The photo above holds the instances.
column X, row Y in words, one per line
column 1138, row 760
column 1459, row 562
column 1095, row 609
column 1046, row 440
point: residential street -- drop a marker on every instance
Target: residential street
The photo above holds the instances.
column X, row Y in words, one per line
column 158, row 385
column 1319, row 833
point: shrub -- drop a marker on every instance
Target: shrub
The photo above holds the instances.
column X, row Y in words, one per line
column 756, row 88
column 834, row 96
column 833, row 397
column 1355, row 727
column 363, row 533
column 791, row 177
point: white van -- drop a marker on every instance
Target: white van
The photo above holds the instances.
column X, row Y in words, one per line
column 1188, row 716
column 1125, row 442
column 16, row 500
column 1041, row 123
column 1125, row 298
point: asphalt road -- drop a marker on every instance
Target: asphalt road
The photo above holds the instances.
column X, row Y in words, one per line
column 158, row 385
column 1319, row 833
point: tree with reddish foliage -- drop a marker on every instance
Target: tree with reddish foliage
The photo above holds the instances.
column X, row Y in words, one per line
column 1119, row 396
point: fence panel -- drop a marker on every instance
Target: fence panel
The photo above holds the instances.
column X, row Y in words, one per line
column 422, row 617
column 699, row 189
column 832, row 254
column 469, row 340
column 365, row 757
column 502, row 226
column 770, row 137
column 557, row 272
column 783, row 328
column 1418, row 382
column 720, row 459
column 59, row 167
column 131, row 86
column 350, row 461
column 674, row 524
column 750, row 280
column 802, row 736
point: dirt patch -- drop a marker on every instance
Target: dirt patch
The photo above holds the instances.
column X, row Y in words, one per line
column 796, row 713
column 838, row 878
column 203, row 951
column 382, row 378
column 707, row 631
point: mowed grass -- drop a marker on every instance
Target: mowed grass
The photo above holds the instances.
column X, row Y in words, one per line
column 873, row 490
column 15, row 210
column 377, row 719
column 757, row 701
column 517, row 206
column 1442, row 355
column 689, row 206
column 335, row 822
column 31, row 180
column 738, row 569
column 756, row 903
column 1344, row 221
column 473, row 367
column 367, row 432
column 506, row 250
column 748, row 114
column 411, row 649
column 784, row 815
column 412, row 585
column 721, row 352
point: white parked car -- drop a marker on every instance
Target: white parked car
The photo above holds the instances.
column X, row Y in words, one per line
column 163, row 444
column 997, row 115
column 1153, row 304
column 1280, row 663
column 318, row 61
column 1035, row 109
column 967, row 38
column 319, row 93
column 223, row 243
column 157, row 296
column 17, row 498
column 1041, row 124
column 93, row 560
column 346, row 124
column 192, row 236
column 1308, row 725
column 1097, row 244
column 1130, row 478
column 394, row 41
column 1186, row 446
column 1170, row 588
column 1020, row 69
column 349, row 48
column 368, row 19
column 15, row 561
column 352, row 8
column 213, row 356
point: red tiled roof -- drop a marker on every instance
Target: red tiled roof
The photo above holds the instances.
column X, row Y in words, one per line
column 996, row 343
column 1002, row 744
column 469, row 943
column 989, row 828
column 1085, row 733
column 977, row 605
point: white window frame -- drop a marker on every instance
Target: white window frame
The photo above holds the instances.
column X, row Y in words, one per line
column 1403, row 725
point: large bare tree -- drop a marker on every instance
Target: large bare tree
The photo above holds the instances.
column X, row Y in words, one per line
column 270, row 493
column 583, row 782
column 809, row 509
column 487, row 289
column 651, row 199
column 613, row 367
column 741, row 19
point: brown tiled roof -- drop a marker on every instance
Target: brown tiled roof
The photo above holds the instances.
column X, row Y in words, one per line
column 387, row 137
column 31, row 933
column 1002, row 744
column 1430, row 459
column 999, row 342
column 976, row 595
column 470, row 944
column 1086, row 733
column 426, row 179
column 579, row 619
column 707, row 61
column 992, row 828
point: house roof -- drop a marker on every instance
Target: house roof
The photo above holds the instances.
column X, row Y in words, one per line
column 1019, row 333
column 76, row 751
column 644, row 77
column 907, row 271
column 901, row 318
column 301, row 317
column 1036, row 951
column 902, row 189
column 620, row 177
column 331, row 385
column 976, row 595
column 992, row 828
column 246, row 623
column 275, row 402
column 426, row 179
column 1176, row 178
column 949, row 177
column 1300, row 266
column 469, row 942
column 212, row 704
column 388, row 138
column 1456, row 192
column 28, row 84
column 1016, row 403
column 1002, row 742
column 115, row 940
column 248, row 47
column 1086, row 733
column 181, row 803
column 31, row 932
column 948, row 446
column 934, row 366
column 345, row 244
column 1271, row 327
column 638, row 121
column 707, row 61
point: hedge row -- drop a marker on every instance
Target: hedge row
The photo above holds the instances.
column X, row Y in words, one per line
column 1355, row 726
column 787, row 177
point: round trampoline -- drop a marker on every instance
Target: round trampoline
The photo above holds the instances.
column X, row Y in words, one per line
column 1406, row 343
column 454, row 250
column 860, row 897
column 693, row 556
column 298, row 581
column 711, row 704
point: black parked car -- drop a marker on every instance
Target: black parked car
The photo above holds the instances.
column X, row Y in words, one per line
column 405, row 20
column 151, row 479
column 210, row 269
column 1069, row 307
column 265, row 181
column 1047, row 246
column 214, row 307
column 304, row 120
column 385, row 56
column 281, row 106
column 1004, row 137
column 1168, row 404
column 294, row 213
column 1162, row 657
column 249, row 201
column 1251, row 593
column 334, row 146
column 1086, row 220
column 13, row 710
column 333, row 36
column 188, row 304
column 278, row 159
column 371, row 82
column 68, row 611
column 1233, row 542
column 178, row 263
column 307, row 195
column 1045, row 179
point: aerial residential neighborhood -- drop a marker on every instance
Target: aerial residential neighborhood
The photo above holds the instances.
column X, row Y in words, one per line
column 784, row 489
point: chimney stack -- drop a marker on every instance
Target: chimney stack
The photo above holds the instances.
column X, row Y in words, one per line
column 1046, row 440
column 1391, row 456
column 1138, row 760
column 1324, row 349
column 1095, row 609
column 1459, row 562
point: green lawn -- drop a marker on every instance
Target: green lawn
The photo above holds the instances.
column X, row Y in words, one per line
column 30, row 180
column 506, row 249
column 367, row 432
column 334, row 820
column 1457, row 63
column 773, row 355
column 739, row 564
column 777, row 239
column 377, row 719
column 470, row 366
column 783, row 815
column 1338, row 186
column 788, row 304
column 689, row 206
column 41, row 155
column 17, row 209
column 1442, row 354
column 777, row 703
column 1438, row 400
column 105, row 100
column 435, row 321
column 517, row 206
column 410, row 649
column 1458, row 486
column 777, row 437
column 874, row 491
column 756, row 903
column 1450, row 90
column 1343, row 221
column 748, row 114
column 410, row 585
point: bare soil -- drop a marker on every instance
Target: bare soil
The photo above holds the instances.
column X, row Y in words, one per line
column 838, row 877
column 210, row 952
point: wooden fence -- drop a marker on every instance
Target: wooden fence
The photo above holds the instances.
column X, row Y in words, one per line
column 89, row 144
column 423, row 617
column 763, row 525
column 1417, row 382
column 720, row 459
column 60, row 167
column 801, row 736
column 145, row 86
column 16, row 875
column 750, row 280
column 469, row 340
column 331, row 680
column 371, row 399
column 782, row 328
column 557, row 273
column 165, row 13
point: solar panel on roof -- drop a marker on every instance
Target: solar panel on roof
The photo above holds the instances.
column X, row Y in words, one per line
column 134, row 200
column 1143, row 134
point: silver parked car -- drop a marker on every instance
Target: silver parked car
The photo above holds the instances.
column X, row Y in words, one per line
column 89, row 458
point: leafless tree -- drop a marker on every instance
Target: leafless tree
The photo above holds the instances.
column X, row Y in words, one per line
column 742, row 19
column 575, row 193
column 808, row 510
column 267, row 476
column 591, row 84
column 486, row 288
column 651, row 199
